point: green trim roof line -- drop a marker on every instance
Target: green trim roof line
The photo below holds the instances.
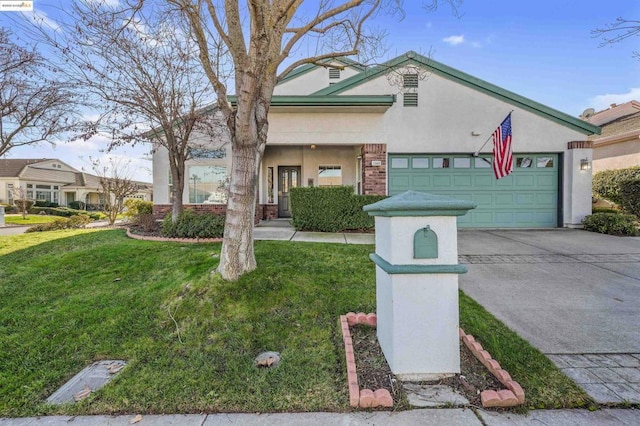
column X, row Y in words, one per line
column 314, row 101
column 413, row 58
column 303, row 69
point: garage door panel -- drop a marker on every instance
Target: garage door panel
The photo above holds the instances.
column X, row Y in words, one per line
column 526, row 198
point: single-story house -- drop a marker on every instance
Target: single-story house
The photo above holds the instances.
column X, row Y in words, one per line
column 618, row 146
column 54, row 181
column 409, row 124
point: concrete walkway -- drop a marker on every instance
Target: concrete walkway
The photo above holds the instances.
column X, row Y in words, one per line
column 281, row 230
column 458, row 416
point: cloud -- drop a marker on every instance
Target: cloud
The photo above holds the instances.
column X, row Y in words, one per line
column 601, row 102
column 454, row 40
column 41, row 18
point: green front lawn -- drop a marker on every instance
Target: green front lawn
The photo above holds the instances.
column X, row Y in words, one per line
column 73, row 297
column 31, row 219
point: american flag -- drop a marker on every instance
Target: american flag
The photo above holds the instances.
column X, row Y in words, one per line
column 502, row 152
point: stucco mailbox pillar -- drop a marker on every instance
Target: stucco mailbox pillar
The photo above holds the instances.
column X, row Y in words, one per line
column 1, row 215
column 417, row 283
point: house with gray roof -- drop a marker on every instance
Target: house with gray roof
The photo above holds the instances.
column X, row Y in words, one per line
column 53, row 181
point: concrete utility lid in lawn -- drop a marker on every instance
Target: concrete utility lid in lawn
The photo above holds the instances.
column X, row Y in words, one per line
column 87, row 381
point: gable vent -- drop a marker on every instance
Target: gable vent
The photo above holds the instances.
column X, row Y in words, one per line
column 334, row 73
column 410, row 99
column 410, row 80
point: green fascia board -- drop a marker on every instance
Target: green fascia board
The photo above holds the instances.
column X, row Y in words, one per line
column 413, row 58
column 303, row 69
column 314, row 101
column 416, row 269
column 416, row 204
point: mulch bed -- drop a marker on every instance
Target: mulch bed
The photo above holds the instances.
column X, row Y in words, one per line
column 374, row 372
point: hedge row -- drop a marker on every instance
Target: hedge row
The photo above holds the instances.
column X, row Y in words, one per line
column 193, row 225
column 73, row 222
column 62, row 212
column 330, row 209
column 607, row 183
column 612, row 223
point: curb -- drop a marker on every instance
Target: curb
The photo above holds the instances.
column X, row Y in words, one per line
column 175, row 240
column 365, row 398
column 510, row 397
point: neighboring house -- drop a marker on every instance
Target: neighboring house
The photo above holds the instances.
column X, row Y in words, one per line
column 618, row 147
column 54, row 181
column 409, row 124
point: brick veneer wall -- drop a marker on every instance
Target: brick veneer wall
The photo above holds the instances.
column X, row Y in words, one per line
column 374, row 178
column 161, row 210
column 269, row 211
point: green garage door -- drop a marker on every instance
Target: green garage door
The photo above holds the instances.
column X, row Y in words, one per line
column 527, row 198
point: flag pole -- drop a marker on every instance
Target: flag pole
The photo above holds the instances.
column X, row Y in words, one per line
column 475, row 154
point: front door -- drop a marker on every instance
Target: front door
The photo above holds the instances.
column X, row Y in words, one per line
column 288, row 177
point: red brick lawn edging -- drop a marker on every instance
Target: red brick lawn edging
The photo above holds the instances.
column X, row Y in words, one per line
column 510, row 397
column 367, row 398
column 176, row 240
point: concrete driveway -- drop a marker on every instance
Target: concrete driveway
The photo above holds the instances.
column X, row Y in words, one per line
column 573, row 294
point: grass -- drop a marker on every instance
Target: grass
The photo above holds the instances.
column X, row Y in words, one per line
column 73, row 297
column 31, row 219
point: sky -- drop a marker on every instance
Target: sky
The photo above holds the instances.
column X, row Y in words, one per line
column 543, row 50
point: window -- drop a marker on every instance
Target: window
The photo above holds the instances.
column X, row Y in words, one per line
column 46, row 193
column 399, row 163
column 482, row 162
column 207, row 153
column 524, row 162
column 462, row 163
column 270, row 185
column 410, row 99
column 329, row 175
column 419, row 163
column 10, row 193
column 410, row 80
column 208, row 184
column 334, row 73
column 543, row 162
column 440, row 163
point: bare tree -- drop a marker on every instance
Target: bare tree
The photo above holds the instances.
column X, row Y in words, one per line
column 116, row 185
column 618, row 31
column 21, row 200
column 142, row 76
column 34, row 105
column 259, row 38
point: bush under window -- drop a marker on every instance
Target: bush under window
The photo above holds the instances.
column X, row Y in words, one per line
column 194, row 225
column 331, row 209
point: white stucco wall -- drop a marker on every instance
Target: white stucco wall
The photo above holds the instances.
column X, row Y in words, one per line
column 311, row 81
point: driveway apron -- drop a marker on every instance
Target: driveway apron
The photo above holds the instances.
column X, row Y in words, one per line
column 570, row 293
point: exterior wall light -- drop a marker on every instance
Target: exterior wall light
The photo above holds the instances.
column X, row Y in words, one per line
column 585, row 164
column 312, row 146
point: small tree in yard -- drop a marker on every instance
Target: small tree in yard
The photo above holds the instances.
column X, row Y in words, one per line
column 115, row 186
column 140, row 71
column 21, row 201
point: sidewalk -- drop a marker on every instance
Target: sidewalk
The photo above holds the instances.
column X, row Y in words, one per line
column 456, row 416
column 281, row 230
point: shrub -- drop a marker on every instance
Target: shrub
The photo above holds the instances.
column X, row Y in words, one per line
column 76, row 205
column 73, row 222
column 134, row 208
column 606, row 184
column 630, row 196
column 330, row 209
column 612, row 224
column 23, row 206
column 605, row 210
column 63, row 212
column 41, row 203
column 194, row 225
column 147, row 222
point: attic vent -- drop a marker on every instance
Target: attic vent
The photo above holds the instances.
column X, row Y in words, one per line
column 410, row 80
column 334, row 73
column 410, row 99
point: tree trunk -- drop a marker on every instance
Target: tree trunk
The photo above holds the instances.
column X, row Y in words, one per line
column 177, row 175
column 237, row 257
